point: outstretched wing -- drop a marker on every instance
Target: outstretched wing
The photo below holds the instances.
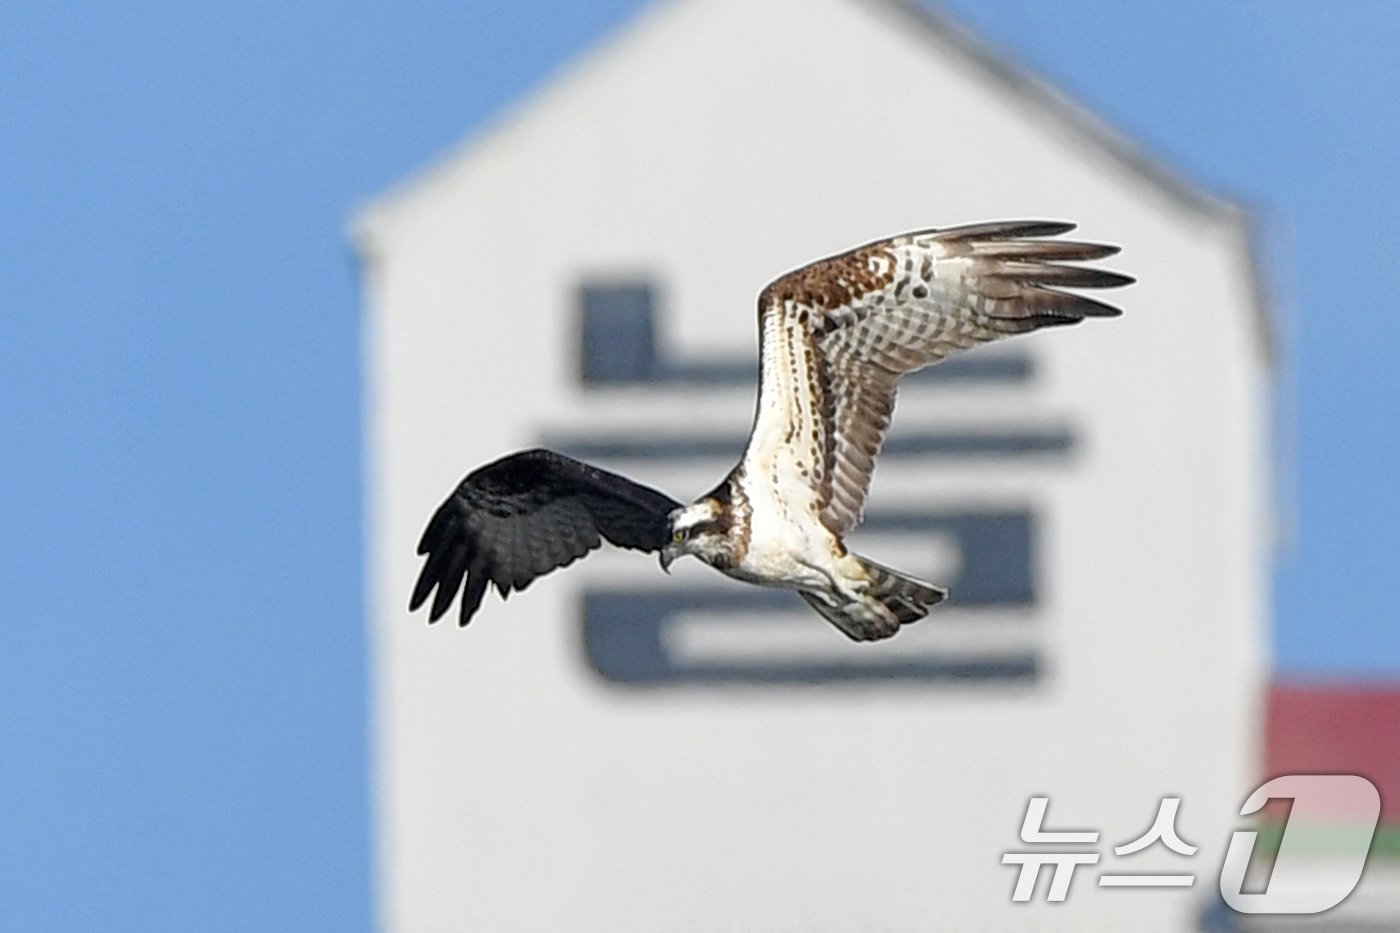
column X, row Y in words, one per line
column 838, row 334
column 527, row 514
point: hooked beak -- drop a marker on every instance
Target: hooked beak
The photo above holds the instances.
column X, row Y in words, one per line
column 667, row 557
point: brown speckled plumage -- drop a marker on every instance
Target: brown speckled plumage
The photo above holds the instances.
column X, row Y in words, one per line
column 872, row 314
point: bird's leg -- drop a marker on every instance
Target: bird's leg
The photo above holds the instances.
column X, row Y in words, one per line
column 852, row 579
column 846, row 579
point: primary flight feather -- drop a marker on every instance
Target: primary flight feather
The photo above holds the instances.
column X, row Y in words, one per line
column 835, row 337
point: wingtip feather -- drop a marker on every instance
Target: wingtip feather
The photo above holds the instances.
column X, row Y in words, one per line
column 420, row 593
column 1007, row 230
column 471, row 596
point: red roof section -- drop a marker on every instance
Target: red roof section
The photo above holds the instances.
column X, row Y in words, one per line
column 1337, row 729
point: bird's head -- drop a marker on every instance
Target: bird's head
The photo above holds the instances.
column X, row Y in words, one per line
column 700, row 529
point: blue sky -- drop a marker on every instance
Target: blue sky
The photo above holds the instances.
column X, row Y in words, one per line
column 182, row 664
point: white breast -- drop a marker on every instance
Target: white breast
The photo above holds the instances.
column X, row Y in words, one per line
column 788, row 546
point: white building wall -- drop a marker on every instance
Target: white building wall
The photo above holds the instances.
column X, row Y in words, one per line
column 712, row 146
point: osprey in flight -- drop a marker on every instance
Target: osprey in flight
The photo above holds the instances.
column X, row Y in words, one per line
column 835, row 338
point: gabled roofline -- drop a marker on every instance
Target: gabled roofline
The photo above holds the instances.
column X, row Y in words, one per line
column 934, row 25
column 1022, row 82
column 951, row 37
column 496, row 123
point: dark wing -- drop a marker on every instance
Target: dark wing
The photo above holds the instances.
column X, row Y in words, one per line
column 839, row 333
column 527, row 514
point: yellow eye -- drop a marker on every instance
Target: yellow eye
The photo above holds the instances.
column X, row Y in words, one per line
column 677, row 537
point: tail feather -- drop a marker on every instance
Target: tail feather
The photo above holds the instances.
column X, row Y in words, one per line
column 907, row 597
column 892, row 600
